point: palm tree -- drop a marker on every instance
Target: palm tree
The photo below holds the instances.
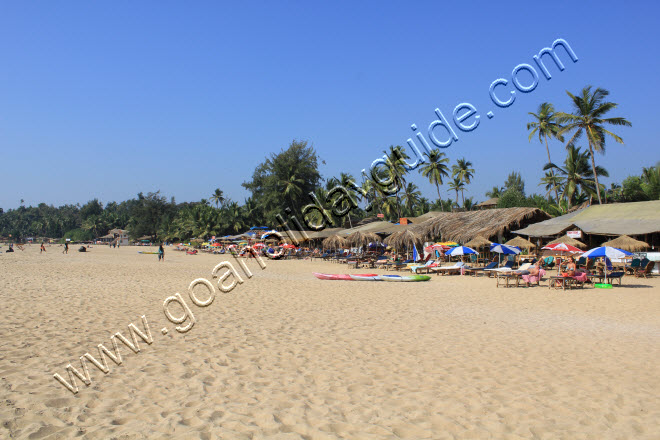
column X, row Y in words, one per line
column 589, row 108
column 411, row 197
column 456, row 185
column 397, row 169
column 545, row 126
column 551, row 183
column 217, row 197
column 495, row 192
column 576, row 177
column 435, row 169
column 291, row 187
column 464, row 171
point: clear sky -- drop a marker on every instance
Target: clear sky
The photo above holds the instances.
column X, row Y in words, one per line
column 106, row 99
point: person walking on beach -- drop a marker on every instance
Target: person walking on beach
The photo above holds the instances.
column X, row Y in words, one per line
column 66, row 247
column 161, row 253
column 43, row 248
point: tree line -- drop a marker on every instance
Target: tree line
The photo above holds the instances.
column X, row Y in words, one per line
column 287, row 181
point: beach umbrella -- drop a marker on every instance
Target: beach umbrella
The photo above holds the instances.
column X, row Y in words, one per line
column 460, row 250
column 436, row 247
column 216, row 245
column 504, row 249
column 288, row 246
column 562, row 247
column 606, row 251
column 627, row 244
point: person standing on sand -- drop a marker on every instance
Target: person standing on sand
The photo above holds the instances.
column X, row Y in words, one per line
column 66, row 247
column 43, row 248
column 161, row 253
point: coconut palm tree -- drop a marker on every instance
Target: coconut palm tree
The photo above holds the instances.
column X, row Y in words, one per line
column 495, row 192
column 397, row 169
column 545, row 125
column 589, row 108
column 456, row 185
column 435, row 168
column 217, row 197
column 551, row 183
column 411, row 197
column 576, row 176
column 464, row 171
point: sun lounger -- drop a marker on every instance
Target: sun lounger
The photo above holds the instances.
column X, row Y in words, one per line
column 534, row 279
column 480, row 270
column 448, row 270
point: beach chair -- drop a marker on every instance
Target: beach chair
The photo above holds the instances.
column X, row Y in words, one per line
column 548, row 262
column 645, row 272
column 633, row 266
column 534, row 279
column 480, row 270
column 615, row 276
column 423, row 268
column 578, row 280
column 448, row 270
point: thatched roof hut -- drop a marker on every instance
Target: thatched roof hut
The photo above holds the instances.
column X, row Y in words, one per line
column 334, row 242
column 359, row 238
column 478, row 242
column 521, row 243
column 403, row 239
column 568, row 240
column 627, row 244
column 464, row 226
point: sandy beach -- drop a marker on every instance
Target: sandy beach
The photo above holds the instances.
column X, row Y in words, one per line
column 288, row 356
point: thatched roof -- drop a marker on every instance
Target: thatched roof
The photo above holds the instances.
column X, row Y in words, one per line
column 490, row 202
column 521, row 243
column 568, row 240
column 403, row 239
column 464, row 226
column 324, row 233
column 627, row 244
column 478, row 242
column 334, row 242
column 635, row 218
column 379, row 227
column 359, row 238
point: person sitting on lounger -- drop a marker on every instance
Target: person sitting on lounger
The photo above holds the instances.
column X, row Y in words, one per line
column 531, row 270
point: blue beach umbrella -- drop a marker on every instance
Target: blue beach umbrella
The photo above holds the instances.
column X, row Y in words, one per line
column 606, row 251
column 504, row 249
column 460, row 250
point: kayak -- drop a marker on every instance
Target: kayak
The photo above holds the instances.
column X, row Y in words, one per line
column 344, row 277
column 140, row 252
column 364, row 277
column 403, row 278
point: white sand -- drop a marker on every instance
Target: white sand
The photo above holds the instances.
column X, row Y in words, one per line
column 287, row 356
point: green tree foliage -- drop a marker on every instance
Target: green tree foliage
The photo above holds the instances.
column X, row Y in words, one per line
column 90, row 209
column 587, row 118
column 515, row 181
column 435, row 168
column 149, row 215
column 545, row 125
column 576, row 177
column 284, row 180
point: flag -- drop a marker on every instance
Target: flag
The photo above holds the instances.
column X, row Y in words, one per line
column 415, row 253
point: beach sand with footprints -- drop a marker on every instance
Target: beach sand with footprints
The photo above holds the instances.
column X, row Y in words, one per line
column 288, row 356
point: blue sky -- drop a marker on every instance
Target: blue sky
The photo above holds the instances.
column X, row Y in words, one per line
column 108, row 99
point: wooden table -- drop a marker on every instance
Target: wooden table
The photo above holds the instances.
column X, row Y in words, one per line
column 506, row 276
column 563, row 282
